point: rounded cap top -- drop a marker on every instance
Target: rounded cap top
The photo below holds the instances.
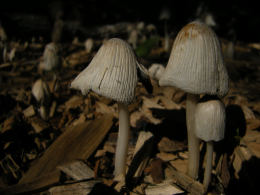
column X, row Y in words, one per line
column 40, row 90
column 210, row 119
column 111, row 73
column 51, row 58
column 196, row 63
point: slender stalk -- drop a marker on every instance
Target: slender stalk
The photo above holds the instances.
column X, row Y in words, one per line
column 122, row 140
column 208, row 168
column 193, row 141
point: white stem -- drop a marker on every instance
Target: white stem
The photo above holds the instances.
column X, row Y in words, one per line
column 208, row 168
column 193, row 141
column 122, row 140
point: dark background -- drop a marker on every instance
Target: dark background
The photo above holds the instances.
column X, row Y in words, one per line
column 236, row 19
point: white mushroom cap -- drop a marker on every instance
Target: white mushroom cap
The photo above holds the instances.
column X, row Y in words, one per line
column 210, row 120
column 111, row 73
column 40, row 91
column 196, row 63
column 51, row 59
column 156, row 71
column 89, row 43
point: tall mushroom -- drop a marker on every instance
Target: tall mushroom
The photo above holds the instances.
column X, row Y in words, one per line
column 209, row 126
column 195, row 66
column 113, row 74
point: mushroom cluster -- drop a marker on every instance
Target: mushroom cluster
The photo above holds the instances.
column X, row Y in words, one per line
column 196, row 66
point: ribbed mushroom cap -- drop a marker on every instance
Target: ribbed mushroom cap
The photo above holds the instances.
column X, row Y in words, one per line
column 210, row 119
column 111, row 73
column 196, row 63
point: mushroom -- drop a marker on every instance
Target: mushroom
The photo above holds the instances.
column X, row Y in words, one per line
column 51, row 58
column 113, row 74
column 195, row 66
column 209, row 126
column 89, row 44
column 156, row 71
column 41, row 93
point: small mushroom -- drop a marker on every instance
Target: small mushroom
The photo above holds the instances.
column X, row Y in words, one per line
column 89, row 44
column 41, row 93
column 113, row 74
column 209, row 126
column 51, row 58
column 156, row 71
column 196, row 66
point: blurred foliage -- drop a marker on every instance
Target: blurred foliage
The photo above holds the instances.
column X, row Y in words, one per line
column 144, row 49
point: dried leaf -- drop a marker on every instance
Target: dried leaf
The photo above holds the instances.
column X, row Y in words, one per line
column 167, row 145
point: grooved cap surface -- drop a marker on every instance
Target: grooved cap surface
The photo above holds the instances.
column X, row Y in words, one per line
column 111, row 73
column 210, row 119
column 196, row 63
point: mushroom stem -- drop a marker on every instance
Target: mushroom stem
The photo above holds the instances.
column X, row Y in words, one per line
column 122, row 140
column 208, row 168
column 193, row 141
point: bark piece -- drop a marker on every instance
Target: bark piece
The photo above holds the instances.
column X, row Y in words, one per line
column 77, row 142
column 75, row 188
column 141, row 155
column 186, row 182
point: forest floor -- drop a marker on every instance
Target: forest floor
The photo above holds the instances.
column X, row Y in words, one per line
column 73, row 150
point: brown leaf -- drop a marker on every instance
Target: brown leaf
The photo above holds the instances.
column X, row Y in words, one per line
column 156, row 170
column 167, row 145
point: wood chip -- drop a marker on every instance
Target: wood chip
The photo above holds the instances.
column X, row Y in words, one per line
column 169, row 104
column 186, row 182
column 141, row 154
column 167, row 145
column 166, row 156
column 77, row 170
column 77, row 142
column 29, row 112
column 74, row 102
column 75, row 188
column 165, row 188
column 38, row 124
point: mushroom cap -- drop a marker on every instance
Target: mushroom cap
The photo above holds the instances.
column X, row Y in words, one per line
column 111, row 73
column 51, row 58
column 210, row 119
column 40, row 91
column 196, row 63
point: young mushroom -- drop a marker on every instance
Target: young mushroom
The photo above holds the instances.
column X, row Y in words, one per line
column 195, row 66
column 113, row 74
column 209, row 126
column 41, row 92
column 51, row 59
